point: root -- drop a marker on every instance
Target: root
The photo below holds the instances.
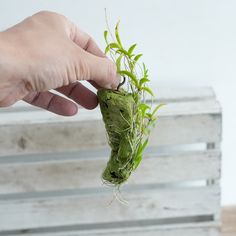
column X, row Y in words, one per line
column 120, row 84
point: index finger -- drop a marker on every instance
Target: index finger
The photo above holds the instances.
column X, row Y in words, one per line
column 85, row 41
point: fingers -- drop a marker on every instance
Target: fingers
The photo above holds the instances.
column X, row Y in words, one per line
column 100, row 70
column 13, row 94
column 61, row 106
column 85, row 41
column 52, row 102
column 94, row 84
column 80, row 94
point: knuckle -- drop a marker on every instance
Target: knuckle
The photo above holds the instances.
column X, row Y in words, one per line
column 50, row 14
column 112, row 75
column 111, row 70
column 82, row 70
column 44, row 13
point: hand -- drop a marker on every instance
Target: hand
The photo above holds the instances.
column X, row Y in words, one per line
column 47, row 51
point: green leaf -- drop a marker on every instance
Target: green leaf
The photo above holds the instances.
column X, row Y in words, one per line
column 117, row 34
column 122, row 51
column 144, row 145
column 148, row 115
column 136, row 58
column 137, row 161
column 131, row 76
column 157, row 108
column 118, row 61
column 148, row 90
column 144, row 67
column 105, row 36
column 143, row 107
column 111, row 45
column 138, row 157
column 107, row 49
column 143, row 81
column 114, row 45
column 145, row 71
column 131, row 49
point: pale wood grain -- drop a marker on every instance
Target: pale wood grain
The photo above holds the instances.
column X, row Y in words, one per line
column 192, row 116
column 95, row 208
column 163, row 94
column 86, row 172
column 48, row 137
column 171, row 109
column 50, row 194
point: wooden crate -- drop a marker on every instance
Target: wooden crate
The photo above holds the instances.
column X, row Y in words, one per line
column 50, row 173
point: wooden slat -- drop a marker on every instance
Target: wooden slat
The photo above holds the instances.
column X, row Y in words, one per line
column 191, row 116
column 163, row 94
column 85, row 209
column 197, row 229
column 229, row 221
column 86, row 172
column 171, row 109
column 194, row 122
column 176, row 94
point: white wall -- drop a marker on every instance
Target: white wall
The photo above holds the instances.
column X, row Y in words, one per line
column 185, row 42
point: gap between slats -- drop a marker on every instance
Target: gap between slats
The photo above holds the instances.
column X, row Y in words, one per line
column 127, row 226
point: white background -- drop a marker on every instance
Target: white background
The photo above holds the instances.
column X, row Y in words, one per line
column 185, row 43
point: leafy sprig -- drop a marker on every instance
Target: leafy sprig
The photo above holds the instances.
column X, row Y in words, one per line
column 128, row 66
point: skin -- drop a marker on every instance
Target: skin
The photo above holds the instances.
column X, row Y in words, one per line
column 46, row 51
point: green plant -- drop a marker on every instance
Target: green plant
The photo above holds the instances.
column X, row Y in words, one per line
column 127, row 116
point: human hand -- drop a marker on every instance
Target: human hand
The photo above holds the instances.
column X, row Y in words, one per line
column 46, row 51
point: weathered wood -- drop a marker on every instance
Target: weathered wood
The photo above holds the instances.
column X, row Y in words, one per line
column 171, row 109
column 85, row 209
column 49, row 195
column 86, row 172
column 197, row 229
column 193, row 123
column 164, row 94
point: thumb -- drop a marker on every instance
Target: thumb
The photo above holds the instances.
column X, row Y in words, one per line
column 101, row 70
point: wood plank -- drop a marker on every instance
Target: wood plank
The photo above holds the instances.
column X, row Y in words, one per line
column 86, row 209
column 171, row 109
column 164, row 94
column 86, row 172
column 177, row 94
column 229, row 221
column 194, row 123
column 196, row 229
